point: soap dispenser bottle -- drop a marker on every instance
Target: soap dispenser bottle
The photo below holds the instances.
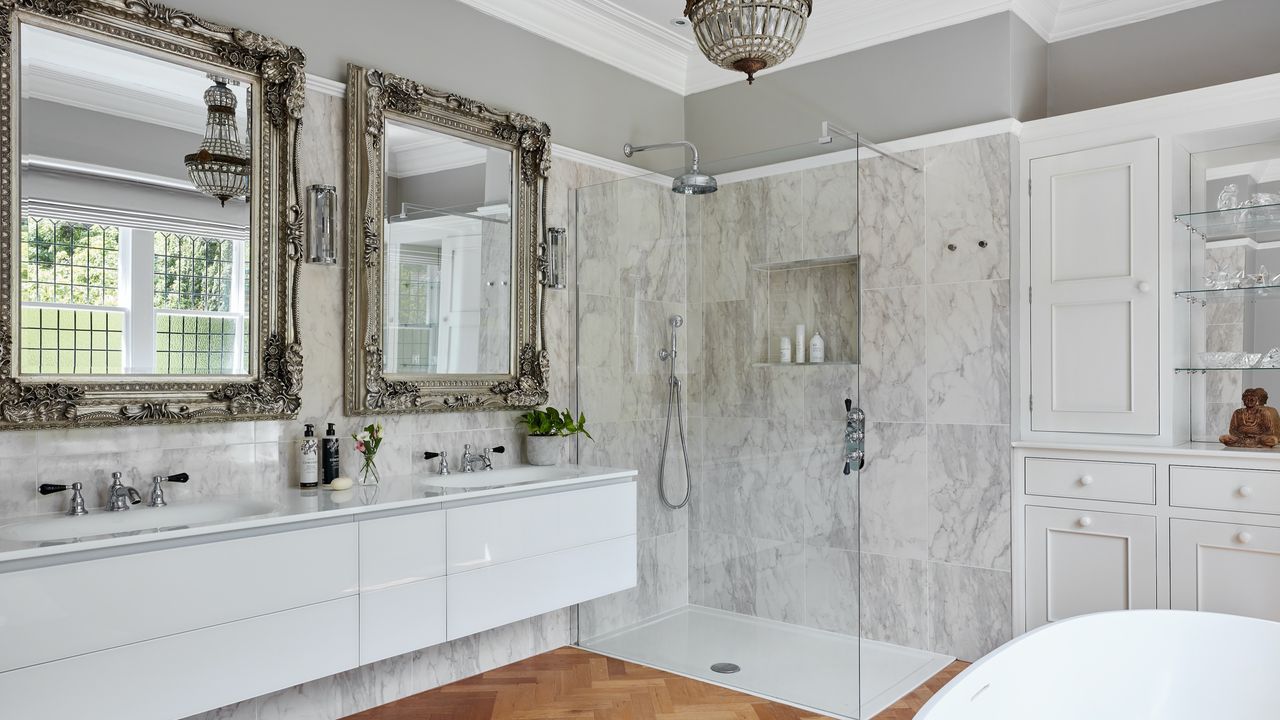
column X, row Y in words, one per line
column 309, row 462
column 329, row 455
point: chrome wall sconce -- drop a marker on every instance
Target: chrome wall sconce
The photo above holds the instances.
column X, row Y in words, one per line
column 552, row 261
column 322, row 208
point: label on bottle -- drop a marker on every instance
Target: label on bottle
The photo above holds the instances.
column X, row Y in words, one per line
column 329, row 459
column 309, row 467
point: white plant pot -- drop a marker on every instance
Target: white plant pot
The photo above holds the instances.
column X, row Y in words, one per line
column 543, row 449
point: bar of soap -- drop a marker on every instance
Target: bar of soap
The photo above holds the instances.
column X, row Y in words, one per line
column 340, row 483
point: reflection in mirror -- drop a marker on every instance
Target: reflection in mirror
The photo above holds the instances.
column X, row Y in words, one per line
column 125, row 266
column 447, row 277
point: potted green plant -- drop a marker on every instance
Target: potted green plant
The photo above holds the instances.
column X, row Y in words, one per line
column 547, row 431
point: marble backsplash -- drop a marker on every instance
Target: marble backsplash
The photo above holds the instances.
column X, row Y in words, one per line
column 242, row 458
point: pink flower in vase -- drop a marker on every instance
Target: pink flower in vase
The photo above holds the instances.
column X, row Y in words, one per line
column 360, row 446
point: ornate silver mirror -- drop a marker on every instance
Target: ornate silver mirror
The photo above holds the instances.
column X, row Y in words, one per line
column 151, row 217
column 444, row 304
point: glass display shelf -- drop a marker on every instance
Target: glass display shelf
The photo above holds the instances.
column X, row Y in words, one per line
column 1236, row 221
column 827, row 363
column 1224, row 295
column 1220, row 369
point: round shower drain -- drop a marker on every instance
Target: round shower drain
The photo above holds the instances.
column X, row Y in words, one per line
column 726, row 668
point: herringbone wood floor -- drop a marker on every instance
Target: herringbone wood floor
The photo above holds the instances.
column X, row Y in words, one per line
column 575, row 684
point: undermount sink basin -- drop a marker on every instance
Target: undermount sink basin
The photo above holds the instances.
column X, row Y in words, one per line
column 139, row 518
column 504, row 477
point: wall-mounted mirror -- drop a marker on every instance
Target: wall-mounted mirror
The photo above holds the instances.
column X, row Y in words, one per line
column 153, row 231
column 445, row 306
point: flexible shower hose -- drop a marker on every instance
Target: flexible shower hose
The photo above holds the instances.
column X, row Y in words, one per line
column 673, row 399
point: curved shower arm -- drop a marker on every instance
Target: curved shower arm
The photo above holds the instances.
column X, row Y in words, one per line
column 630, row 149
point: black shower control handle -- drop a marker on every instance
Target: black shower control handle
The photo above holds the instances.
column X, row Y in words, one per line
column 848, row 405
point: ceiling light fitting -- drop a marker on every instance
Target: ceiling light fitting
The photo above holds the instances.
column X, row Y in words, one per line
column 748, row 35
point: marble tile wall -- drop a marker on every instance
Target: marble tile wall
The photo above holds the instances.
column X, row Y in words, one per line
column 776, row 531
column 633, row 263
column 244, row 457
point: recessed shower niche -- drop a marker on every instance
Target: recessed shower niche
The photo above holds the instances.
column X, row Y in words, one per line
column 822, row 295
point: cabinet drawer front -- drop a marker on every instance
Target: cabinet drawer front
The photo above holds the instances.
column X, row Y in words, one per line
column 1255, row 491
column 1080, row 562
column 46, row 616
column 1224, row 568
column 401, row 549
column 492, row 533
column 401, row 619
column 1118, row 482
column 502, row 594
column 191, row 672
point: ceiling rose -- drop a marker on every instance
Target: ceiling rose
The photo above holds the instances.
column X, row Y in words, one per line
column 748, row 35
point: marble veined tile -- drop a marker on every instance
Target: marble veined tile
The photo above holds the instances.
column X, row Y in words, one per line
column 831, row 589
column 783, row 217
column 722, row 571
column 970, row 610
column 780, row 581
column 831, row 501
column 968, row 353
column 969, row 491
column 598, row 266
column 894, row 489
column 967, row 189
column 893, row 354
column 891, row 228
column 895, row 607
column 831, row 210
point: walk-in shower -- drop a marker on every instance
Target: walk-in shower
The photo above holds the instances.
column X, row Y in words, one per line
column 756, row 576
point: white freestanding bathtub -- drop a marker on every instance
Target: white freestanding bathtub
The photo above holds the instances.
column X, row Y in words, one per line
column 1135, row 665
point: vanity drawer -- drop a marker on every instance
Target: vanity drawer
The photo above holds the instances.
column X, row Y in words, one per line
column 502, row 594
column 1087, row 480
column 401, row 619
column 1256, row 491
column 147, row 595
column 188, row 673
column 498, row 532
column 401, row 549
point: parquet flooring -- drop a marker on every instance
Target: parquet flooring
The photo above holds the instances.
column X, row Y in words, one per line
column 573, row 684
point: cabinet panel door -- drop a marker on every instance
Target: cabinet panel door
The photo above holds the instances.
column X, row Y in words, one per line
column 401, row 619
column 1081, row 562
column 1095, row 310
column 1224, row 568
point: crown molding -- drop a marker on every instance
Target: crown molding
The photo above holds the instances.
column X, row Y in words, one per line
column 602, row 30
column 1081, row 17
column 325, row 86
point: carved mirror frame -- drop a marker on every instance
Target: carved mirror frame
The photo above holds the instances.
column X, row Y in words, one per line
column 272, row 390
column 372, row 96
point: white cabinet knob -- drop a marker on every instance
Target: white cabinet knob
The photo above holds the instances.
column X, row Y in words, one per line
column 1086, row 480
column 1243, row 537
column 1144, row 286
column 1245, row 491
column 1085, row 521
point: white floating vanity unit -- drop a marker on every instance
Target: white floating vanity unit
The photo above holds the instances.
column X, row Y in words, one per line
column 215, row 607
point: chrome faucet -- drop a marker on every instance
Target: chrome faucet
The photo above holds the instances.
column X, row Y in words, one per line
column 157, row 492
column 469, row 459
column 77, row 498
column 121, row 496
column 444, row 459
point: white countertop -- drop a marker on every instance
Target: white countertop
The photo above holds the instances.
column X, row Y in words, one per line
column 1196, row 449
column 295, row 505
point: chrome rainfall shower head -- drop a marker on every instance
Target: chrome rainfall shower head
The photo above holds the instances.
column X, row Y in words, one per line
column 689, row 183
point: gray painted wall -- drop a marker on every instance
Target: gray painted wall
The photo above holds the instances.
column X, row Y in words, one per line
column 947, row 78
column 589, row 104
column 1209, row 45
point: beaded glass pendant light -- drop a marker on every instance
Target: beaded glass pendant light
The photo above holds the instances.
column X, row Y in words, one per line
column 221, row 167
column 748, row 35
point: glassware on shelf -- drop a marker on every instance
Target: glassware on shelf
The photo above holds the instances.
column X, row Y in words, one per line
column 1269, row 359
column 1249, row 360
column 1218, row 360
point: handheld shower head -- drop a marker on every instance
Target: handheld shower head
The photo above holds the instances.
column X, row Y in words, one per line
column 677, row 321
column 689, row 183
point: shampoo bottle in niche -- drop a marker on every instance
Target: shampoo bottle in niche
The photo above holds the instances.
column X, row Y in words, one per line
column 817, row 349
column 784, row 350
column 309, row 462
column 799, row 350
column 329, row 455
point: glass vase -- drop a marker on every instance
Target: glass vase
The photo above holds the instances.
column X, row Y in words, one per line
column 369, row 474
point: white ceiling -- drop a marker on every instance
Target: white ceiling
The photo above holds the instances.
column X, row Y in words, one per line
column 637, row 35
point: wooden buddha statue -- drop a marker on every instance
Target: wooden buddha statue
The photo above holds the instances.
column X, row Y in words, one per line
column 1254, row 425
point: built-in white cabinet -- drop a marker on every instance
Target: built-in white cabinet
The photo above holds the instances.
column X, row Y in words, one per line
column 402, row 585
column 1096, row 529
column 1094, row 291
column 1225, row 568
column 1085, row 561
